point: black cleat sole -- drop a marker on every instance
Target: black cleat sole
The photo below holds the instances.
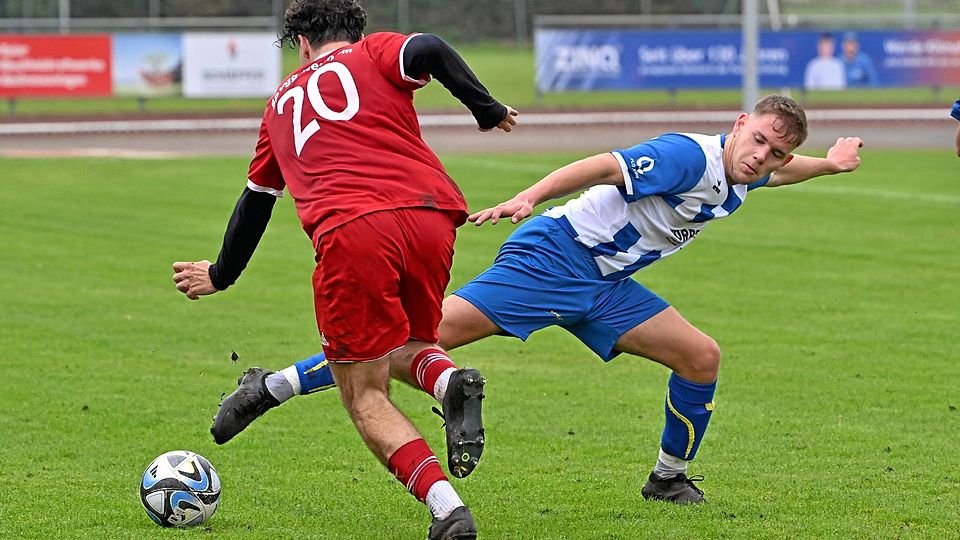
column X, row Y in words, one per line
column 465, row 445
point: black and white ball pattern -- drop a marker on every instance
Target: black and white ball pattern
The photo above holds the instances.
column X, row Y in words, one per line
column 180, row 489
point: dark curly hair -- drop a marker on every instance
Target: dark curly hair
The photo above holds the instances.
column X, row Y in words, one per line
column 322, row 21
column 793, row 121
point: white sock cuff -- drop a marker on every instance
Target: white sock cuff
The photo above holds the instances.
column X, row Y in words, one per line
column 442, row 499
column 671, row 461
column 293, row 377
column 440, row 389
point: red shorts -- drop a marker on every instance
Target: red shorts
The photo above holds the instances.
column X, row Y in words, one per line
column 380, row 281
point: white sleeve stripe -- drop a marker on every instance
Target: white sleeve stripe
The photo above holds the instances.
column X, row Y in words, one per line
column 627, row 180
column 403, row 74
column 278, row 193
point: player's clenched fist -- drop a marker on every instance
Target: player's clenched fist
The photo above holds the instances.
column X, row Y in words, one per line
column 193, row 278
column 844, row 154
column 508, row 121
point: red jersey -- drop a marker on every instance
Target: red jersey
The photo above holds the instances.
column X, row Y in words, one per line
column 342, row 136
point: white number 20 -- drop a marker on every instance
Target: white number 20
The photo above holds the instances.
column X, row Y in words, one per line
column 301, row 133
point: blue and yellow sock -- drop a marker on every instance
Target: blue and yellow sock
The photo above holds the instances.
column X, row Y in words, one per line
column 306, row 376
column 688, row 407
column 314, row 374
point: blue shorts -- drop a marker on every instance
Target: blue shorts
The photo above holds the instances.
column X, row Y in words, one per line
column 543, row 277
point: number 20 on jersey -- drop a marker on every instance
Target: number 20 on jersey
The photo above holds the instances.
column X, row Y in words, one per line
column 302, row 133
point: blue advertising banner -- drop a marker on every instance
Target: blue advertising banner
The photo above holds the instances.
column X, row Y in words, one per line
column 623, row 59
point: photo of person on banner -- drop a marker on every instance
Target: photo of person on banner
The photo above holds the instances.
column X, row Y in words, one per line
column 857, row 64
column 825, row 71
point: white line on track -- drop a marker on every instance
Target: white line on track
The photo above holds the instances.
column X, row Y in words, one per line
column 542, row 168
column 128, row 126
column 89, row 153
column 454, row 120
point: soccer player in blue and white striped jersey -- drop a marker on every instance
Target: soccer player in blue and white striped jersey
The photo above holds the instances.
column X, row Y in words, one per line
column 572, row 265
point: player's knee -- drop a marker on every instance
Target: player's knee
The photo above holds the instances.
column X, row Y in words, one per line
column 704, row 363
column 365, row 404
column 357, row 393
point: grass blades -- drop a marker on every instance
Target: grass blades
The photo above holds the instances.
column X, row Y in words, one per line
column 835, row 303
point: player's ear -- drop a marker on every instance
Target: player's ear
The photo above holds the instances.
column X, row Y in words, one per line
column 304, row 44
column 741, row 120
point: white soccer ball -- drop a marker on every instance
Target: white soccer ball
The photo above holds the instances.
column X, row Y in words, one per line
column 180, row 489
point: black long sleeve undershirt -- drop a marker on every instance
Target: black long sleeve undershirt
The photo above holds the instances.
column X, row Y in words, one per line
column 427, row 53
column 247, row 224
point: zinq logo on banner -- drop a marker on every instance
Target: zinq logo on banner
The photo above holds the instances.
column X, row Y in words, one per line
column 619, row 59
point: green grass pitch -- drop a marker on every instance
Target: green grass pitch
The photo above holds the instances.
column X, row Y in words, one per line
column 835, row 303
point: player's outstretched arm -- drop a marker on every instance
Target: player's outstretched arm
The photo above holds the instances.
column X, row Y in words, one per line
column 588, row 172
column 843, row 156
column 427, row 53
column 247, row 224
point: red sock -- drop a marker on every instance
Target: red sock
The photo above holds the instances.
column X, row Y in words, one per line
column 427, row 366
column 416, row 467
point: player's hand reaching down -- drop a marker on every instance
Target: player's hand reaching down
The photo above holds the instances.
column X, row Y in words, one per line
column 844, row 154
column 193, row 279
column 508, row 121
column 517, row 208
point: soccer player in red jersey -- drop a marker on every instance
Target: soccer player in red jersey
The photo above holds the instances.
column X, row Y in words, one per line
column 342, row 136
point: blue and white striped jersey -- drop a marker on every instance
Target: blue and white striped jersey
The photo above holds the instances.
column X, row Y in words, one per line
column 675, row 185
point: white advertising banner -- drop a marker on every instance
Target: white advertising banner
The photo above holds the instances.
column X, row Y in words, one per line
column 230, row 64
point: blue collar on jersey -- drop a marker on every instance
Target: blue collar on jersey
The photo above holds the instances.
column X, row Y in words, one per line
column 723, row 139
